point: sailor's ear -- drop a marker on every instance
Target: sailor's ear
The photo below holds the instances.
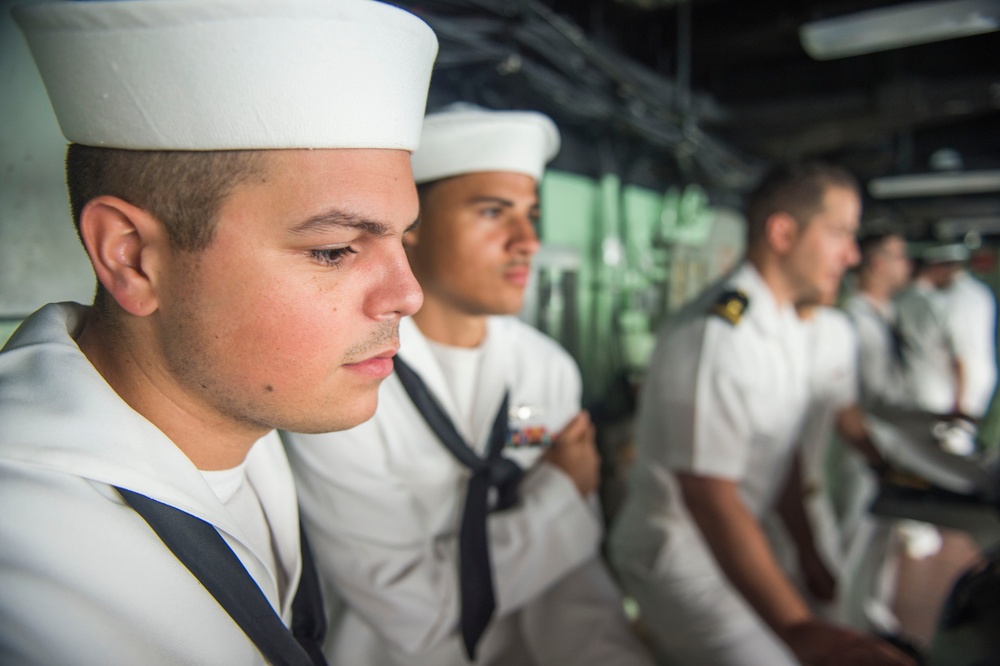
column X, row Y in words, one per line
column 126, row 245
column 781, row 231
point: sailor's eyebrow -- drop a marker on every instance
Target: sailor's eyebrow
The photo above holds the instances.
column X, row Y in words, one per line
column 491, row 199
column 506, row 203
column 337, row 219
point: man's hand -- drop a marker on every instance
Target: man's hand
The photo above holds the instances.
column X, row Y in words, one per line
column 821, row 644
column 574, row 452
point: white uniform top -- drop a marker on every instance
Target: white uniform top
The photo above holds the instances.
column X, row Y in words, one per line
column 382, row 504
column 719, row 400
column 928, row 348
column 84, row 578
column 881, row 373
column 972, row 314
column 833, row 385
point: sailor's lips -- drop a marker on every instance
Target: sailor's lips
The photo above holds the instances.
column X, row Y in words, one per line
column 378, row 366
column 517, row 275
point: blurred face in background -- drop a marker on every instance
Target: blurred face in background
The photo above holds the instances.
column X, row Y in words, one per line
column 943, row 274
column 891, row 264
column 824, row 247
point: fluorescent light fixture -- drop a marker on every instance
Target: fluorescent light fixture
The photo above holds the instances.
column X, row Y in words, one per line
column 898, row 26
column 935, row 184
column 953, row 227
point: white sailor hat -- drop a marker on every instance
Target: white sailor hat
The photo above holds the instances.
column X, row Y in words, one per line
column 233, row 74
column 945, row 254
column 464, row 139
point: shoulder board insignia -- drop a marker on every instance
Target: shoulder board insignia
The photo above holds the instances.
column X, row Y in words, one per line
column 730, row 306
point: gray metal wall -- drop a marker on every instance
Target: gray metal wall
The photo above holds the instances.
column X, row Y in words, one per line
column 41, row 259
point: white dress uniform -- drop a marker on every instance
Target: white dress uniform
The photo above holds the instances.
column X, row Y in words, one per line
column 382, row 505
column 833, row 386
column 84, row 579
column 881, row 373
column 928, row 348
column 722, row 400
column 971, row 311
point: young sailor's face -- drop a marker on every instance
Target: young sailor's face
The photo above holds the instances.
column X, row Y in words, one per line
column 289, row 318
column 475, row 243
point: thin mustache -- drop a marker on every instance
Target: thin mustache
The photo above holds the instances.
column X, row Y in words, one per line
column 517, row 262
column 386, row 335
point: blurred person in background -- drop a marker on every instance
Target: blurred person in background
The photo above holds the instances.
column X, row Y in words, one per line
column 883, row 272
column 818, row 548
column 723, row 403
column 971, row 311
column 933, row 368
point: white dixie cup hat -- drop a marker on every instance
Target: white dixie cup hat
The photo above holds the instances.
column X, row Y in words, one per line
column 233, row 74
column 463, row 139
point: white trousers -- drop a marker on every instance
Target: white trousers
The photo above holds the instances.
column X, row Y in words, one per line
column 693, row 614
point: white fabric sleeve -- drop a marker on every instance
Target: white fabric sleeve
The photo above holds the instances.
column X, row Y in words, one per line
column 695, row 411
column 550, row 532
column 844, row 391
column 952, row 338
column 874, row 357
column 973, row 316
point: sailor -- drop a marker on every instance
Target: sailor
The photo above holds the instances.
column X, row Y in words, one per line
column 482, row 413
column 828, row 544
column 722, row 403
column 884, row 271
column 244, row 284
column 814, row 554
column 971, row 312
column 930, row 356
column 868, row 562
